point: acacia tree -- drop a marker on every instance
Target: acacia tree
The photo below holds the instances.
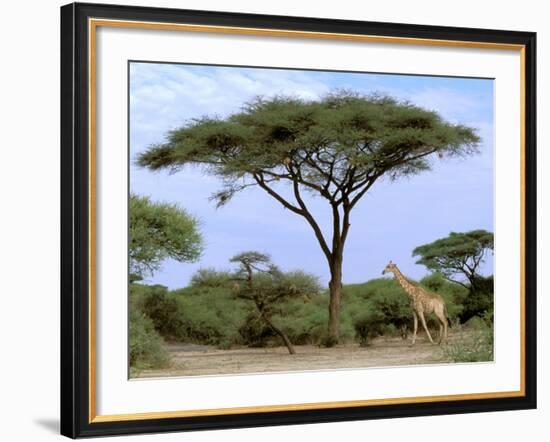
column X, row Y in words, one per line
column 159, row 231
column 266, row 286
column 336, row 147
column 457, row 256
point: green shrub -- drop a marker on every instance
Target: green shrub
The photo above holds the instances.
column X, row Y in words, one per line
column 163, row 311
column 210, row 316
column 201, row 314
column 145, row 343
column 474, row 346
column 475, row 323
column 254, row 332
column 304, row 321
column 480, row 300
column 368, row 327
column 381, row 306
column 208, row 311
column 376, row 308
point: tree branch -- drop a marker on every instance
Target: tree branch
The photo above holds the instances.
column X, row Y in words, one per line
column 345, row 223
column 302, row 210
column 307, row 215
column 455, row 281
column 289, row 178
column 358, row 196
column 259, row 179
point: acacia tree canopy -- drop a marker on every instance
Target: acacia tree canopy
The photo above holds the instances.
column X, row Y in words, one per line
column 459, row 254
column 159, row 231
column 335, row 147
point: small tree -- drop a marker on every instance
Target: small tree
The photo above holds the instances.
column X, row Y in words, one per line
column 267, row 287
column 159, row 231
column 336, row 147
column 457, row 256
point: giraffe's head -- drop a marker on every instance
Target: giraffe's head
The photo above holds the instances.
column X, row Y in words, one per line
column 389, row 268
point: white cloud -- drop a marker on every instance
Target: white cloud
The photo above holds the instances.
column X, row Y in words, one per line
column 165, row 96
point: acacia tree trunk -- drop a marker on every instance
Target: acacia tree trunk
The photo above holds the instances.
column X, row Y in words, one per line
column 335, row 291
column 335, row 259
column 281, row 333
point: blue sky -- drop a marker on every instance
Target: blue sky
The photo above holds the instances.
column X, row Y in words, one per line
column 388, row 223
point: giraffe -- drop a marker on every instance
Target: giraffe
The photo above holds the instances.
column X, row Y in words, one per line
column 422, row 302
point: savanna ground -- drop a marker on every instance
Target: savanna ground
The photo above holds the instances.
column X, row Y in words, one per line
column 200, row 360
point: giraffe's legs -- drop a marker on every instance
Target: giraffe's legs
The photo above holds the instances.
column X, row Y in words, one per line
column 415, row 328
column 442, row 327
column 423, row 320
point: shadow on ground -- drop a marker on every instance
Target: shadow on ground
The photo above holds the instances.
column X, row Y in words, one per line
column 51, row 425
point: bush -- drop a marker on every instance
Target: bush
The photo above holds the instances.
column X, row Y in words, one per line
column 202, row 315
column 477, row 346
column 475, row 323
column 208, row 311
column 254, row 331
column 368, row 327
column 163, row 311
column 211, row 316
column 480, row 300
column 381, row 307
column 145, row 343
column 305, row 320
column 375, row 308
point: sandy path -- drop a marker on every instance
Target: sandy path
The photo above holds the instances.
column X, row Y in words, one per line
column 190, row 360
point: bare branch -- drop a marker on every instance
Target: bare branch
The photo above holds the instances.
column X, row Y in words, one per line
column 311, row 220
column 359, row 195
column 259, row 179
column 455, row 281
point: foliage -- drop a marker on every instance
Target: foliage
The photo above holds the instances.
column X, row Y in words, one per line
column 267, row 287
column 377, row 307
column 252, row 260
column 255, row 332
column 212, row 311
column 476, row 342
column 269, row 290
column 159, row 231
column 336, row 147
column 211, row 278
column 163, row 310
column 202, row 315
column 304, row 319
column 144, row 341
column 361, row 135
column 381, row 307
column 459, row 254
column 479, row 302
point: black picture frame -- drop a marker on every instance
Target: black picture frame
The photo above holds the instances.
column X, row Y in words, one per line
column 75, row 220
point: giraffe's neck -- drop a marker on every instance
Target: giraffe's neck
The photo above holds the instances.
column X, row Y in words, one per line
column 407, row 286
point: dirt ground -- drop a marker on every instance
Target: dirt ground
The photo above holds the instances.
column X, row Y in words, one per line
column 198, row 360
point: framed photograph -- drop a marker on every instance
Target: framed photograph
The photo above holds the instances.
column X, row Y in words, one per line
column 273, row 220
